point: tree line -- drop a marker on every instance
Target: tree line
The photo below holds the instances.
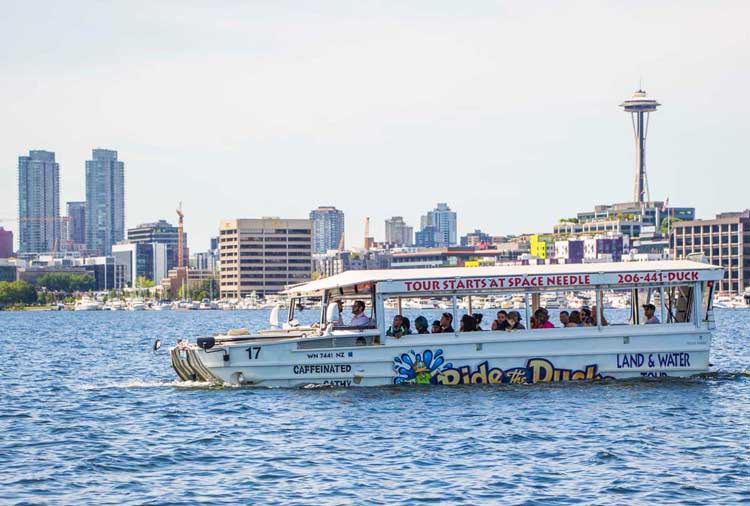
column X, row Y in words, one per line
column 21, row 292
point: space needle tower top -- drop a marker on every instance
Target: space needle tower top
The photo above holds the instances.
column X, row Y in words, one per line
column 640, row 107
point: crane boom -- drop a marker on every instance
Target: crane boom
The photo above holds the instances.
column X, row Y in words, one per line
column 180, row 245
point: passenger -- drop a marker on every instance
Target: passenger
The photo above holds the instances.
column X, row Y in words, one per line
column 478, row 320
column 361, row 341
column 501, row 322
column 407, row 325
column 593, row 317
column 542, row 319
column 359, row 318
column 340, row 304
column 446, row 323
column 586, row 317
column 436, row 327
column 649, row 311
column 397, row 329
column 468, row 323
column 421, row 325
column 564, row 318
column 514, row 321
column 575, row 319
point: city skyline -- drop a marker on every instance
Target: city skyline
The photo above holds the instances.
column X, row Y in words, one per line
column 444, row 131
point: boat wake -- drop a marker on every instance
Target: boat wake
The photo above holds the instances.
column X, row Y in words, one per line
column 124, row 385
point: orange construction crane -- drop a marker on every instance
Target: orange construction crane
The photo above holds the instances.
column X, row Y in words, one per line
column 180, row 245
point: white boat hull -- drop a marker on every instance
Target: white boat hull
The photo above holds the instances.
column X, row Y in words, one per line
column 548, row 355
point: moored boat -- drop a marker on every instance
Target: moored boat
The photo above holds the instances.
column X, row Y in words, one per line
column 87, row 304
column 367, row 353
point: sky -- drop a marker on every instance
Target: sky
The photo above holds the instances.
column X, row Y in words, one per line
column 506, row 110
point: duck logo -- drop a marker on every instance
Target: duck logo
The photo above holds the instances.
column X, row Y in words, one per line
column 419, row 368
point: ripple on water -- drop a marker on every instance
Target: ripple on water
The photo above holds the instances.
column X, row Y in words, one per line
column 91, row 415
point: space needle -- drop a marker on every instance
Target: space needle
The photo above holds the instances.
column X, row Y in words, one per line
column 640, row 107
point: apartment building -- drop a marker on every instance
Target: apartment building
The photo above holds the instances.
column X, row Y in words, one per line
column 724, row 240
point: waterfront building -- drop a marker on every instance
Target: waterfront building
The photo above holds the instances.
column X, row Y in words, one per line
column 398, row 233
column 76, row 223
column 8, row 270
column 569, row 251
column 190, row 279
column 445, row 222
column 103, row 269
column 147, row 260
column 161, row 232
column 724, row 241
column 105, row 201
column 476, row 238
column 327, row 229
column 263, row 255
column 150, row 251
column 604, row 249
column 6, row 243
column 428, row 237
column 336, row 262
column 38, row 202
column 451, row 257
column 542, row 246
column 629, row 218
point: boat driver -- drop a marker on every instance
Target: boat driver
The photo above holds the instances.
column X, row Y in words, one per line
column 359, row 319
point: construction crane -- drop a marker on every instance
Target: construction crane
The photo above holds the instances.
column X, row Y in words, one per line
column 180, row 245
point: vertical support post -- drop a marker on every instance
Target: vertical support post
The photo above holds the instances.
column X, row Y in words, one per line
column 599, row 310
column 454, row 300
column 471, row 311
column 697, row 302
column 400, row 311
column 527, row 310
column 380, row 316
column 661, row 304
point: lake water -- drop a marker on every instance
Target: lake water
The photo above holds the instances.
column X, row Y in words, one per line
column 90, row 415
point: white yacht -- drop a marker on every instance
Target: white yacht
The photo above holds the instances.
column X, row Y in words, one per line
column 137, row 305
column 162, row 306
column 87, row 304
column 674, row 341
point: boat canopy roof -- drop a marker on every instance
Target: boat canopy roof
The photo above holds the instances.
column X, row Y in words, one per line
column 451, row 280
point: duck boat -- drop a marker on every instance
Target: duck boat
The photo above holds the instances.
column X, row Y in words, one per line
column 679, row 294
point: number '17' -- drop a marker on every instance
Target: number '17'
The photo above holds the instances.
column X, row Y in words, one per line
column 252, row 352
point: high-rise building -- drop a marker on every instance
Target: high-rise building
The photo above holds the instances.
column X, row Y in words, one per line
column 263, row 255
column 327, row 228
column 105, row 201
column 38, row 202
column 397, row 232
column 444, row 221
column 76, row 222
column 428, row 237
column 724, row 241
column 150, row 251
column 6, row 243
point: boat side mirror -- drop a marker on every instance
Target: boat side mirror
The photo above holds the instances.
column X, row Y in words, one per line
column 274, row 318
column 332, row 312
